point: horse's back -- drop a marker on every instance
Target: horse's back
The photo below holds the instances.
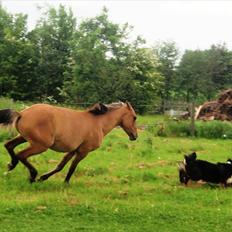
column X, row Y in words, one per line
column 57, row 127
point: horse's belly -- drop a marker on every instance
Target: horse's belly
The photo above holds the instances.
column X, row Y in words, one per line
column 64, row 147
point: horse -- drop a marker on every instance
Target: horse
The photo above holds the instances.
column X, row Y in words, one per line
column 61, row 129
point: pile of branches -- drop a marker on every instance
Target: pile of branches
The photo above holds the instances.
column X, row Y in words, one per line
column 221, row 109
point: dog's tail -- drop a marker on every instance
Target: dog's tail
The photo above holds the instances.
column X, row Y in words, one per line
column 9, row 117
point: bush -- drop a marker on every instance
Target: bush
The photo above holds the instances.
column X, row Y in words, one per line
column 214, row 129
column 210, row 129
column 179, row 129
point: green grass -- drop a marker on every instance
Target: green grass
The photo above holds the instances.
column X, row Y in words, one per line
column 8, row 103
column 123, row 186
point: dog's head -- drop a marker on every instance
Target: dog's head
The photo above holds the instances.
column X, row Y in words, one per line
column 190, row 158
column 183, row 176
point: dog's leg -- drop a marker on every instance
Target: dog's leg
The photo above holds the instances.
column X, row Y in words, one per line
column 186, row 180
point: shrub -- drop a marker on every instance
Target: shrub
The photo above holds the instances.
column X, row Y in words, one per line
column 210, row 129
column 176, row 128
column 214, row 129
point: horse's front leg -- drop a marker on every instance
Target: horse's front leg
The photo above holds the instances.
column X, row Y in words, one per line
column 79, row 156
column 81, row 153
column 59, row 167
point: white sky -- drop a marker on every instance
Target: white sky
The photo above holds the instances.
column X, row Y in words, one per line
column 191, row 24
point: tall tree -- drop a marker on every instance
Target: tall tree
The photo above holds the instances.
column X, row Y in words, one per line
column 202, row 73
column 147, row 79
column 168, row 54
column 17, row 57
column 219, row 64
column 98, row 47
column 5, row 29
column 108, row 68
column 52, row 39
column 191, row 74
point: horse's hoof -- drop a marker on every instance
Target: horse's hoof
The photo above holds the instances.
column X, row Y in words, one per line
column 10, row 166
column 66, row 182
column 43, row 178
column 33, row 176
column 32, row 180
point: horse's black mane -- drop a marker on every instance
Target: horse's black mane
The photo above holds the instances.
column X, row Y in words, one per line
column 100, row 108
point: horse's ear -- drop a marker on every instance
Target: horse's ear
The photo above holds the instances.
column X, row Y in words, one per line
column 98, row 109
column 103, row 108
column 129, row 105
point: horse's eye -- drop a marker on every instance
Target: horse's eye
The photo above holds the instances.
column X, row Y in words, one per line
column 135, row 117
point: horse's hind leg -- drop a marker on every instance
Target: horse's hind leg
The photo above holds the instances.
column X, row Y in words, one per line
column 10, row 145
column 59, row 167
column 26, row 153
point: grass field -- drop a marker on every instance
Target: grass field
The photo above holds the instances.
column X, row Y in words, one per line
column 123, row 186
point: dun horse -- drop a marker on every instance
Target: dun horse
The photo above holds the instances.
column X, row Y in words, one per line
column 64, row 130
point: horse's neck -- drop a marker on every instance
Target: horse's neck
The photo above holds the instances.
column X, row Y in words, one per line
column 110, row 120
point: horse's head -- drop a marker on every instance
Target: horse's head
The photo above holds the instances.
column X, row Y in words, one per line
column 128, row 122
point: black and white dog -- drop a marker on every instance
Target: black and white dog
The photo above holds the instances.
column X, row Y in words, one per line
column 194, row 169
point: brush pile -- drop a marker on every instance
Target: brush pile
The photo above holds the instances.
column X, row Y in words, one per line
column 221, row 109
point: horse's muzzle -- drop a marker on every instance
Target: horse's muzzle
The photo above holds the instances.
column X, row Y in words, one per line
column 133, row 137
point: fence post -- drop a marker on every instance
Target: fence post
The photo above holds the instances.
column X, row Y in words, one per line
column 192, row 116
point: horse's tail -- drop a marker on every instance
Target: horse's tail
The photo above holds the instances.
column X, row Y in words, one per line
column 9, row 117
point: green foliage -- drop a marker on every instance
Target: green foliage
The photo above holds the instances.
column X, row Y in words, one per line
column 94, row 62
column 218, row 68
column 148, row 80
column 97, row 51
column 202, row 73
column 192, row 73
column 98, row 61
column 181, row 129
column 9, row 103
column 211, row 129
column 167, row 53
column 108, row 67
column 16, row 60
column 52, row 40
column 214, row 129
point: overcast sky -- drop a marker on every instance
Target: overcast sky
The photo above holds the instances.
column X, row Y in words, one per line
column 191, row 24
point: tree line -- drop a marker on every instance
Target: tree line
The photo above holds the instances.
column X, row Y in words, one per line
column 95, row 60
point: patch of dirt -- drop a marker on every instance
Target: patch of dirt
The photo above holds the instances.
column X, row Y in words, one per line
column 144, row 165
column 52, row 161
column 160, row 163
column 192, row 184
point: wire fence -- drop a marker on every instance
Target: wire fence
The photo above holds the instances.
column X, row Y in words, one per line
column 169, row 108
